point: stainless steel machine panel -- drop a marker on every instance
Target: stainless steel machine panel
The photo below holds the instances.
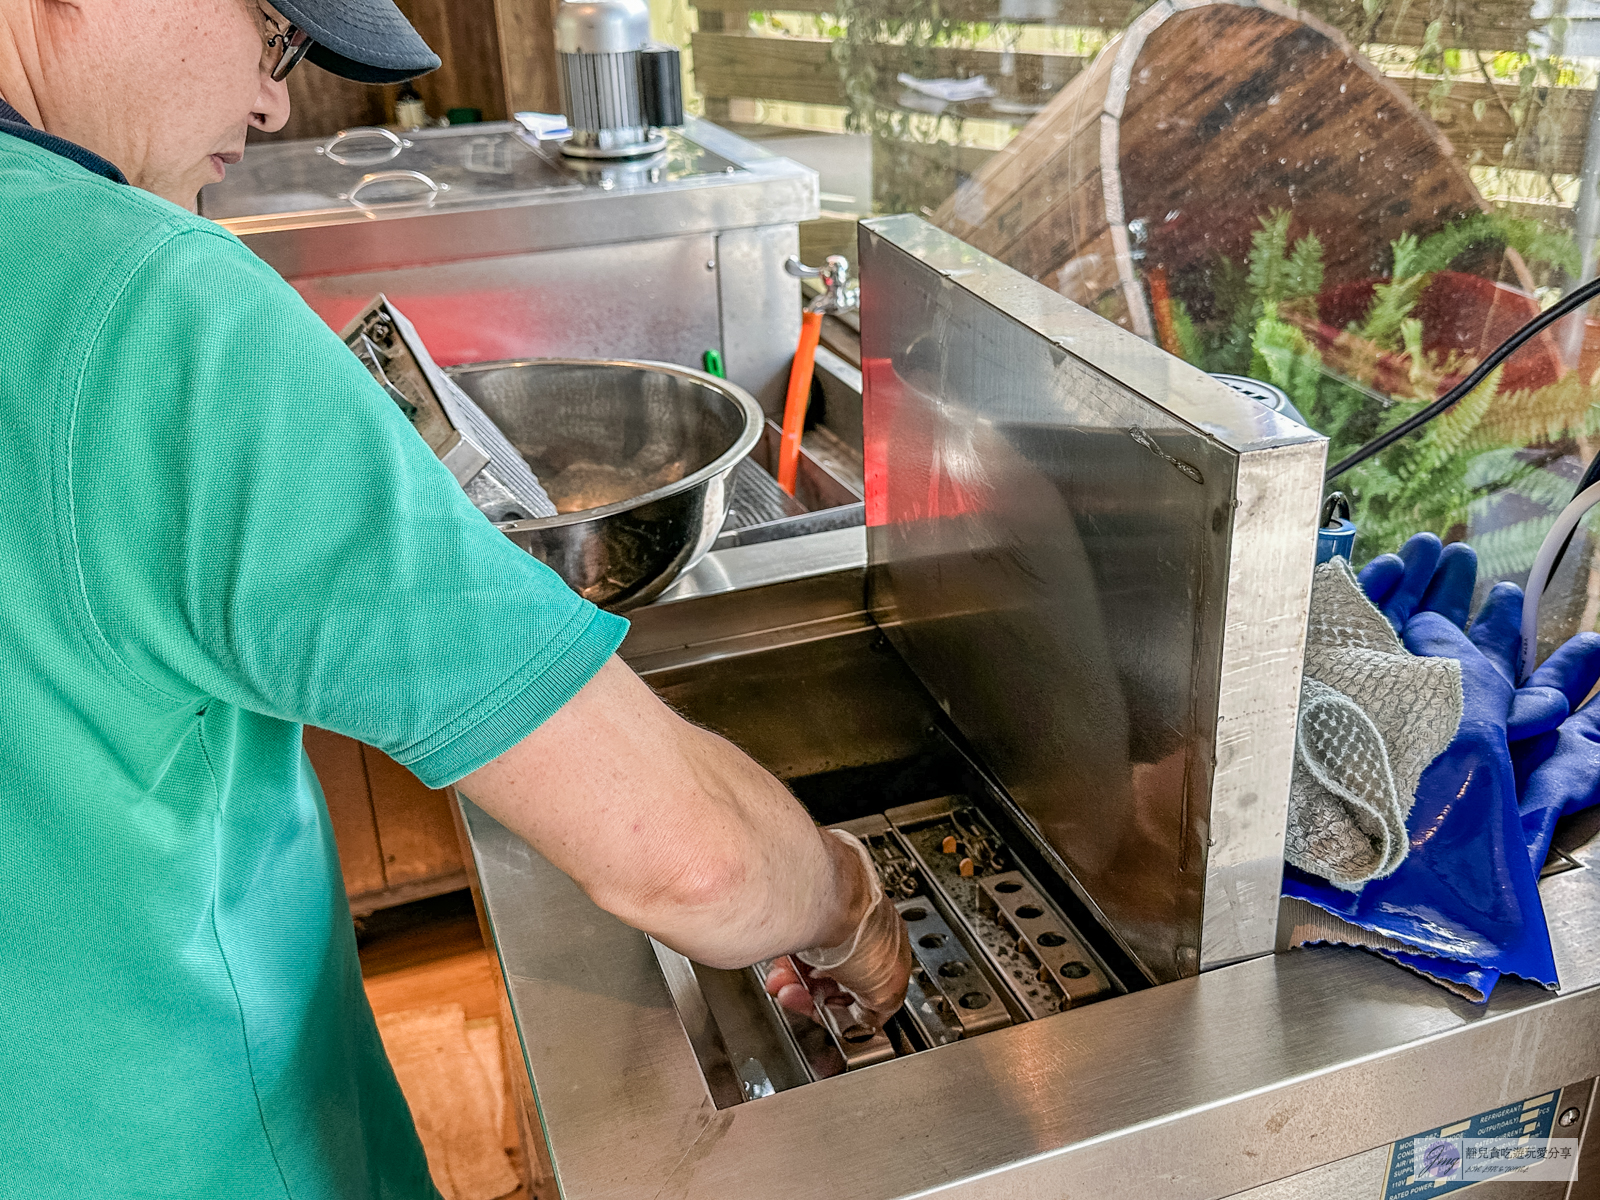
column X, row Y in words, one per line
column 1098, row 560
column 652, row 300
column 364, row 175
column 1363, row 1176
column 498, row 249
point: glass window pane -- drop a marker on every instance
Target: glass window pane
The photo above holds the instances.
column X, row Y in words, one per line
column 1353, row 202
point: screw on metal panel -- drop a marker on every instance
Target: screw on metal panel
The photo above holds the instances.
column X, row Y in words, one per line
column 1568, row 1118
column 711, row 264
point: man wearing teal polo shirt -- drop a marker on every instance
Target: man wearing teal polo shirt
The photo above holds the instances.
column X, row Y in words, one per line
column 214, row 528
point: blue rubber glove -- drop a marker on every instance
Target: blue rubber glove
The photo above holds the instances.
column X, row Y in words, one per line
column 1573, row 670
column 1567, row 781
column 1397, row 583
column 1466, row 891
column 1426, row 575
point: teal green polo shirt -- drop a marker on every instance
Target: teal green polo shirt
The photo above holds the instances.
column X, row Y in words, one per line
column 214, row 528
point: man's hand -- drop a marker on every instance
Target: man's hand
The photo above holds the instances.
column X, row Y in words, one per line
column 680, row 834
column 800, row 988
column 871, row 968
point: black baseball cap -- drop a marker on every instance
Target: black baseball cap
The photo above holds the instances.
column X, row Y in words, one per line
column 369, row 41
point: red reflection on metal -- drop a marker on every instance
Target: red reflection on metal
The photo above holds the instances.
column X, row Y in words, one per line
column 460, row 327
column 880, row 395
column 921, row 485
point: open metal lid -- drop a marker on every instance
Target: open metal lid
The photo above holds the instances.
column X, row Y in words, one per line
column 1098, row 559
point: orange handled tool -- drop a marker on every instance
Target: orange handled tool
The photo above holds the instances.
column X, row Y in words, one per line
column 1161, row 307
column 794, row 407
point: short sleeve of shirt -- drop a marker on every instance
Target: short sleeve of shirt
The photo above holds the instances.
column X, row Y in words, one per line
column 254, row 521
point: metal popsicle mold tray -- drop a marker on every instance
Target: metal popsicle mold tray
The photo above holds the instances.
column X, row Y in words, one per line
column 831, row 1044
column 990, row 948
column 1027, row 940
column 958, row 998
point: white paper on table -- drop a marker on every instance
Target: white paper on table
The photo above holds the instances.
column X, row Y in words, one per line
column 949, row 90
column 546, row 127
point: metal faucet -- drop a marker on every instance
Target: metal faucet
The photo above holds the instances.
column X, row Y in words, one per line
column 839, row 295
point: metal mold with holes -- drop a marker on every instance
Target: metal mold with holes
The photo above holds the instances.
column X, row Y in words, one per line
column 961, row 992
column 961, row 854
column 1065, row 964
column 952, row 994
column 834, row 1042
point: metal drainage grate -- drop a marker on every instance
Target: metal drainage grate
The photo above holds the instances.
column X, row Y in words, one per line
column 757, row 498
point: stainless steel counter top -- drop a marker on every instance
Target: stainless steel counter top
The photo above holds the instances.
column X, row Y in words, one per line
column 1210, row 1085
column 1198, row 1088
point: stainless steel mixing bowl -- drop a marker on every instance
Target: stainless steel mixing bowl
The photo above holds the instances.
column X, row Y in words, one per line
column 636, row 456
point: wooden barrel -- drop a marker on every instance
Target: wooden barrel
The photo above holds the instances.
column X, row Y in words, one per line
column 1187, row 129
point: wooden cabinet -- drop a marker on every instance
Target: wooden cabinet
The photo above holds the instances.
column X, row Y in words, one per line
column 397, row 838
column 497, row 56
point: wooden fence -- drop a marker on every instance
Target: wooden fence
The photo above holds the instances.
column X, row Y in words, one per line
column 733, row 62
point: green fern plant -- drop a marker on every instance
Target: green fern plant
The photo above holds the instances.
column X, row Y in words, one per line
column 1274, row 275
column 1278, row 275
column 1511, row 472
column 1433, row 479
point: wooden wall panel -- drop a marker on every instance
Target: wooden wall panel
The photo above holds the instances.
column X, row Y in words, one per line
column 526, row 30
column 1480, row 24
column 463, row 35
column 1476, row 24
column 342, row 771
column 497, row 56
column 321, row 104
column 803, row 70
column 1555, row 143
column 415, row 830
column 397, row 839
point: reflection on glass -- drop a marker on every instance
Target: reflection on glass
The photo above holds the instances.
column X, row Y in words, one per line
column 1355, row 202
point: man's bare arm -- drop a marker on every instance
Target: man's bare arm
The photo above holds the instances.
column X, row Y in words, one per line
column 675, row 830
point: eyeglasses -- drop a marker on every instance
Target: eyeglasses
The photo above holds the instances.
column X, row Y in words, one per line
column 285, row 48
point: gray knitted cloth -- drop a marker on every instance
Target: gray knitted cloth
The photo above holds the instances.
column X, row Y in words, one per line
column 1372, row 717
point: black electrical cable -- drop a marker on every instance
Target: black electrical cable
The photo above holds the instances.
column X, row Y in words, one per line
column 1572, row 301
column 1591, row 476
